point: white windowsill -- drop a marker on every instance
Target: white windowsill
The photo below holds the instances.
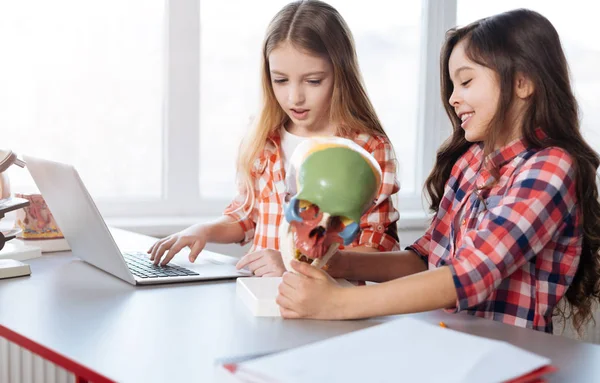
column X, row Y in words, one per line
column 161, row 226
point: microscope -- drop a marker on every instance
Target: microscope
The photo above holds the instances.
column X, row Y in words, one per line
column 8, row 203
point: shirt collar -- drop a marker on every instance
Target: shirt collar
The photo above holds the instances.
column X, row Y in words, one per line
column 275, row 136
column 502, row 156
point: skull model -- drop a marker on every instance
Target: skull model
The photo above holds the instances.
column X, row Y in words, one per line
column 336, row 181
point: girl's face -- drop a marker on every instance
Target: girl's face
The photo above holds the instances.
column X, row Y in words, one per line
column 303, row 85
column 476, row 93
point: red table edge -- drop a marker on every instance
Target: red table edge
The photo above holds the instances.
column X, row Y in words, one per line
column 82, row 373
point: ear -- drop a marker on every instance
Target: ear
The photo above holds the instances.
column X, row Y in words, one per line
column 523, row 86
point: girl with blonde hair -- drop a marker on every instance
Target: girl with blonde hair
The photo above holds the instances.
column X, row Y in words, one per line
column 311, row 86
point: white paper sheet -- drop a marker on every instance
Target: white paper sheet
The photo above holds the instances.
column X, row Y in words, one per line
column 404, row 350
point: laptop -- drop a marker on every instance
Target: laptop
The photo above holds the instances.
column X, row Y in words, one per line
column 91, row 240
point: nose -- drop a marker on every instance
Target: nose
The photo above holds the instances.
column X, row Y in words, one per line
column 296, row 95
column 454, row 99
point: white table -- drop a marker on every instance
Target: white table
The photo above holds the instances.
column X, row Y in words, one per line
column 172, row 333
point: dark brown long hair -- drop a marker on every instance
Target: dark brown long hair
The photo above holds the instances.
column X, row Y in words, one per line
column 525, row 42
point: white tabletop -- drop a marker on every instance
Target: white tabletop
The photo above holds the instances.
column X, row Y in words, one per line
column 176, row 332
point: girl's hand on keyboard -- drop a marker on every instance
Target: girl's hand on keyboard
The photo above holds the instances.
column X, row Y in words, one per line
column 263, row 263
column 193, row 237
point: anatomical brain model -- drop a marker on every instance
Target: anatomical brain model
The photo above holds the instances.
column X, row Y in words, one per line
column 336, row 181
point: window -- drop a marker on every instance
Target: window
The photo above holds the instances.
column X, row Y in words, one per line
column 82, row 82
column 582, row 48
column 140, row 95
column 231, row 33
column 388, row 45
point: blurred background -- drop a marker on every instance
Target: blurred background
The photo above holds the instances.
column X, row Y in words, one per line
column 149, row 98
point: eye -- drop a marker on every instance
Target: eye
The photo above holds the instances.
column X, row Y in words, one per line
column 314, row 82
column 280, row 80
column 465, row 83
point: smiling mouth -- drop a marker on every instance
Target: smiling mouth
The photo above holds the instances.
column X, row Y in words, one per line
column 465, row 117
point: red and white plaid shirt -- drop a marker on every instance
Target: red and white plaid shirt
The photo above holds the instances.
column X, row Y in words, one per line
column 261, row 225
column 514, row 256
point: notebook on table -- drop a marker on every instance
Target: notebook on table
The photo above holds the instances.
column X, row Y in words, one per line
column 406, row 350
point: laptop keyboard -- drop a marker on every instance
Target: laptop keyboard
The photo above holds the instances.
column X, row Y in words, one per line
column 141, row 266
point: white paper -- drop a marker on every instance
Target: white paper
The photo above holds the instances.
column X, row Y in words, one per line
column 406, row 350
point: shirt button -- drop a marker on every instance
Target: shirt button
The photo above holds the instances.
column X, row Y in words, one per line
column 464, row 221
column 380, row 228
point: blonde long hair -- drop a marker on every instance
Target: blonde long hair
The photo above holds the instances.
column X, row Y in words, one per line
column 318, row 28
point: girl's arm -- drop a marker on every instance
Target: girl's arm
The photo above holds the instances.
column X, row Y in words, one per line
column 243, row 213
column 223, row 230
column 424, row 291
column 379, row 267
column 540, row 202
column 226, row 229
column 311, row 293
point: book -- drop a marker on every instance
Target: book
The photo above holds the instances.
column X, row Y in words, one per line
column 46, row 245
column 10, row 268
column 18, row 251
column 225, row 366
column 400, row 350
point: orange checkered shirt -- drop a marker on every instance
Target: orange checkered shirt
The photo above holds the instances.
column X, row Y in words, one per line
column 261, row 225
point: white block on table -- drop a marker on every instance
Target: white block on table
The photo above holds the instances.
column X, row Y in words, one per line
column 258, row 294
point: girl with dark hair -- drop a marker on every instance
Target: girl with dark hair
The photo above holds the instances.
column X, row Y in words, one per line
column 517, row 218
